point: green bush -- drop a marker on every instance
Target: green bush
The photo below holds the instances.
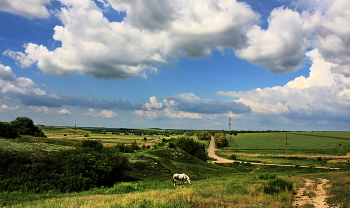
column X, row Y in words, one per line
column 122, row 147
column 7, row 131
column 278, row 185
column 233, row 157
column 192, row 147
column 267, row 176
column 25, row 126
column 92, row 144
column 220, row 140
column 64, row 171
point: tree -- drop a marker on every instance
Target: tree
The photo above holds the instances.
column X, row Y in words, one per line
column 192, row 147
column 25, row 126
column 92, row 144
column 204, row 135
column 7, row 131
column 220, row 140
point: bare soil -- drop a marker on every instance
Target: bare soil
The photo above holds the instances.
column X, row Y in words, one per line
column 313, row 194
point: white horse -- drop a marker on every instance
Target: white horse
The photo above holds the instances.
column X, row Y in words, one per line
column 181, row 177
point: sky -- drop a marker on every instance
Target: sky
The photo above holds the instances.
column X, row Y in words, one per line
column 177, row 64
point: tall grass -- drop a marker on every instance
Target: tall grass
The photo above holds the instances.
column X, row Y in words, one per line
column 244, row 190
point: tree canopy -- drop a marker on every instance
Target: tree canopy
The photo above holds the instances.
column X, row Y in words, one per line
column 20, row 126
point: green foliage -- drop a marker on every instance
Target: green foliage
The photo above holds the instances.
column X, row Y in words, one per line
column 63, row 171
column 267, row 176
column 220, row 140
column 7, row 131
column 172, row 145
column 203, row 135
column 192, row 147
column 92, row 144
column 122, row 147
column 25, row 126
column 278, row 185
column 233, row 157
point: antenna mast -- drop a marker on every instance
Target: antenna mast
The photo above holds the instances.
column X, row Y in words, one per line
column 229, row 123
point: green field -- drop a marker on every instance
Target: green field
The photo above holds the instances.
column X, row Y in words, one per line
column 296, row 140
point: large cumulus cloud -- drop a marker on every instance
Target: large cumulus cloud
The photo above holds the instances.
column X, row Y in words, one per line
column 152, row 33
column 158, row 32
column 321, row 97
column 30, row 9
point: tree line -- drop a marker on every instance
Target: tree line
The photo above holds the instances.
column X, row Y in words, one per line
column 20, row 126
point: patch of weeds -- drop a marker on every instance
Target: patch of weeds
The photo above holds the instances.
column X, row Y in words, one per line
column 278, row 185
column 267, row 176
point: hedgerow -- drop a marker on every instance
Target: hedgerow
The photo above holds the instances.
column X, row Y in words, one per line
column 63, row 171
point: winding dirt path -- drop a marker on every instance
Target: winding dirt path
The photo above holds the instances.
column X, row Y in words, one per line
column 211, row 153
column 313, row 193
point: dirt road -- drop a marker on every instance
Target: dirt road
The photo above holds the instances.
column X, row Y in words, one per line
column 211, row 153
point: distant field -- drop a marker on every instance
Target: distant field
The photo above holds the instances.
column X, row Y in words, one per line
column 108, row 139
column 296, row 140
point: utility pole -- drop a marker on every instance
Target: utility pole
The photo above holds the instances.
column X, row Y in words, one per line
column 286, row 148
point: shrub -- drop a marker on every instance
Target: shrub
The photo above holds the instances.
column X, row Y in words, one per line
column 220, row 140
column 204, row 135
column 64, row 171
column 92, row 144
column 278, row 185
column 171, row 145
column 122, row 147
column 25, row 126
column 233, row 157
column 267, row 176
column 192, row 147
column 7, row 131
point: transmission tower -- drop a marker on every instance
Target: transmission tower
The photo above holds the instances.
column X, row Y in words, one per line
column 229, row 123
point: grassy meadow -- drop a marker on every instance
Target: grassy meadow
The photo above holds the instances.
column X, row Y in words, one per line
column 149, row 181
column 296, row 140
column 319, row 149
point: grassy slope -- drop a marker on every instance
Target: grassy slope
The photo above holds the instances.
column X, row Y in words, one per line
column 213, row 185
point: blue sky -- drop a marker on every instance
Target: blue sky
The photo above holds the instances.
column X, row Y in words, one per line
column 277, row 64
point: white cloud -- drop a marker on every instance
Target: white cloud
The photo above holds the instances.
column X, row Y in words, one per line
column 6, row 73
column 27, row 8
column 307, row 4
column 152, row 33
column 154, row 104
column 188, row 105
column 103, row 113
column 27, row 92
column 7, row 108
column 39, row 109
column 334, row 36
column 159, row 32
column 322, row 96
column 281, row 47
column 64, row 111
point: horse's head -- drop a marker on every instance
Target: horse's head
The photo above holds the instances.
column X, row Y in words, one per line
column 188, row 179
